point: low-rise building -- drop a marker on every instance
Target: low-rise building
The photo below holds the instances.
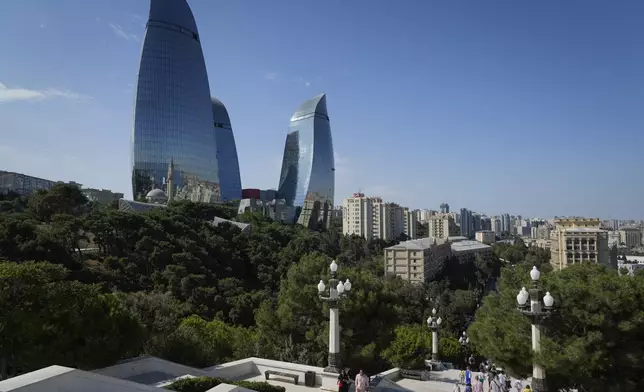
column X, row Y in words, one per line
column 276, row 209
column 411, row 260
column 485, row 236
column 467, row 250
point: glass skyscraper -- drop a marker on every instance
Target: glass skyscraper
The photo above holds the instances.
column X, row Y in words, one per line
column 307, row 180
column 173, row 117
column 229, row 176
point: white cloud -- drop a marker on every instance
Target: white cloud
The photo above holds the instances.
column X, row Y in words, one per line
column 307, row 84
column 271, row 76
column 22, row 94
column 118, row 30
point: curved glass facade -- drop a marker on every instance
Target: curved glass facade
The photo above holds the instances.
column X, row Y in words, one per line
column 229, row 176
column 173, row 117
column 307, row 180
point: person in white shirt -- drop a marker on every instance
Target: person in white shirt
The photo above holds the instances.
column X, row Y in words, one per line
column 362, row 382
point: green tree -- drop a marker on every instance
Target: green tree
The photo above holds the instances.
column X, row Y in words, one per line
column 410, row 348
column 598, row 320
column 47, row 320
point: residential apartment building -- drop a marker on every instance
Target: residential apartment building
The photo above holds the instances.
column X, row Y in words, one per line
column 371, row 217
column 631, row 237
column 25, row 185
column 442, row 226
column 467, row 223
column 578, row 240
column 496, row 226
column 485, row 236
column 411, row 260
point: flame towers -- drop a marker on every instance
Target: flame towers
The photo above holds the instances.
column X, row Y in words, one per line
column 307, row 180
column 173, row 114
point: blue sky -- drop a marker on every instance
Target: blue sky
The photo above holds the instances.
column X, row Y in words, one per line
column 527, row 107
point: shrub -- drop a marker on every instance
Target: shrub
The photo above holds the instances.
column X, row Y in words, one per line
column 202, row 384
column 259, row 386
column 195, row 384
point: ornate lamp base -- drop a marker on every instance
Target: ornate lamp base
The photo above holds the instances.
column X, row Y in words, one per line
column 539, row 385
column 335, row 365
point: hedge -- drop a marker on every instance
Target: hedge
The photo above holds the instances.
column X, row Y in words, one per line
column 202, row 384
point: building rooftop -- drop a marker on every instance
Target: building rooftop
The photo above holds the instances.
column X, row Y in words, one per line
column 418, row 244
column 467, row 245
column 584, row 230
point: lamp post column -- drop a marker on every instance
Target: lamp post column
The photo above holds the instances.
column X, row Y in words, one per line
column 538, row 372
column 337, row 292
column 433, row 323
column 334, row 363
column 537, row 315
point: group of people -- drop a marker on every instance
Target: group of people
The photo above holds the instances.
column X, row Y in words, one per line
column 344, row 381
column 488, row 380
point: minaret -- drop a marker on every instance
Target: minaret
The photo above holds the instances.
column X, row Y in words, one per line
column 169, row 180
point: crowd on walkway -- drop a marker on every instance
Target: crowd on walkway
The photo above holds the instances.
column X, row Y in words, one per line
column 488, row 379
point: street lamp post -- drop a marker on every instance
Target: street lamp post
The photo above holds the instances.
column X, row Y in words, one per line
column 537, row 315
column 337, row 291
column 464, row 341
column 433, row 323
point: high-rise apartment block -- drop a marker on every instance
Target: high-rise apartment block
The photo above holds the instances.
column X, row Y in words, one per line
column 371, row 217
column 444, row 208
column 467, row 223
column 578, row 240
column 506, row 223
column 442, row 226
column 631, row 237
column 496, row 225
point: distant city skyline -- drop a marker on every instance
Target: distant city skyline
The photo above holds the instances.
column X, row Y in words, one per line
column 525, row 107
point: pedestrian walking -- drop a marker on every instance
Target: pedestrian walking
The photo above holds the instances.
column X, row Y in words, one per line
column 362, row 382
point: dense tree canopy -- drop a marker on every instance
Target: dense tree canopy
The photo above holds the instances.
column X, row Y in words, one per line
column 108, row 284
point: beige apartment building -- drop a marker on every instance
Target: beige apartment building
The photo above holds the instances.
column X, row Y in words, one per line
column 485, row 236
column 411, row 260
column 578, row 240
column 441, row 226
column 371, row 217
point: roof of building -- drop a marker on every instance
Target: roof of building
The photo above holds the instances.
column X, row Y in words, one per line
column 584, row 230
column 316, row 104
column 176, row 13
column 244, row 227
column 156, row 193
column 418, row 244
column 219, row 112
column 137, row 206
column 60, row 378
column 465, row 245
